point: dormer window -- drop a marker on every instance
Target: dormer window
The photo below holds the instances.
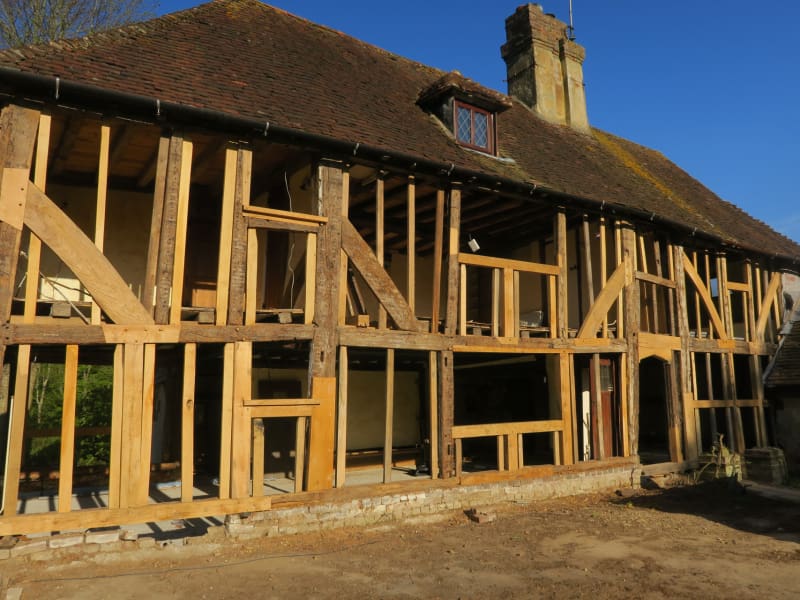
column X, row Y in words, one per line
column 474, row 127
column 466, row 109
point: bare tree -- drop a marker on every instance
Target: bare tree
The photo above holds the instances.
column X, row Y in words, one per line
column 25, row 22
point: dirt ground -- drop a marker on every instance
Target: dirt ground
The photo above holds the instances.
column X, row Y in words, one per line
column 707, row 541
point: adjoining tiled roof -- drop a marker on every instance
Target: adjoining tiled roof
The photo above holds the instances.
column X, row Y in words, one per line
column 785, row 368
column 248, row 59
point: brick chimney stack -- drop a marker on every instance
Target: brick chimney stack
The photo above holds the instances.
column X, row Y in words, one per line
column 545, row 68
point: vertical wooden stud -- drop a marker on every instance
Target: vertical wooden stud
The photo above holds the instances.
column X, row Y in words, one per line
column 187, row 422
column 379, row 237
column 299, row 453
column 117, row 414
column 182, row 218
column 226, row 422
column 100, row 204
column 561, row 262
column 341, row 426
column 411, row 245
column 225, row 236
column 16, row 426
column 34, row 243
column 438, row 243
column 433, row 415
column 389, row 428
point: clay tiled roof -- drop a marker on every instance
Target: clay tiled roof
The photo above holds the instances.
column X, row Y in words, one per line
column 784, row 371
column 247, row 59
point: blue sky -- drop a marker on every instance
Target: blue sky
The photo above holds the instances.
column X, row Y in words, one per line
column 713, row 85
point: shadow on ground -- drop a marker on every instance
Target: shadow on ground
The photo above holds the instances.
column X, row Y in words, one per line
column 727, row 503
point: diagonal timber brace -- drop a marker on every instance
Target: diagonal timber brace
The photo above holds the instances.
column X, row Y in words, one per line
column 79, row 253
column 376, row 278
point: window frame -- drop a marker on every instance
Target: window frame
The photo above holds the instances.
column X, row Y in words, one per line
column 490, row 127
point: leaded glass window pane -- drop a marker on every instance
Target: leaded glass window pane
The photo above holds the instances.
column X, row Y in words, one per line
column 464, row 125
column 481, row 130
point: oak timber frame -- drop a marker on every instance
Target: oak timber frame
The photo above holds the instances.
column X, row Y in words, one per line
column 650, row 296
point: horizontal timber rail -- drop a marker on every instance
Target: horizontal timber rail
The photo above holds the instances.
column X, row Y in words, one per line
column 506, row 294
column 509, row 440
column 153, row 334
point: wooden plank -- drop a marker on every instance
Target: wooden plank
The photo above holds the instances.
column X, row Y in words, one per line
column 341, row 426
column 242, row 420
column 34, row 243
column 377, row 278
column 258, row 457
column 16, row 430
column 513, row 462
column 438, row 247
column 342, row 286
column 655, row 279
column 750, row 309
column 447, row 462
column 597, row 402
column 146, row 434
column 80, row 255
column 512, row 428
column 181, row 228
column 587, row 265
column 624, row 407
column 323, row 425
column 101, row 200
column 631, row 313
column 411, row 245
column 565, row 394
column 509, row 324
column 603, row 303
column 726, row 311
column 131, row 467
column 18, row 128
column 501, row 452
column 226, row 422
column 685, row 365
column 603, row 267
column 701, row 289
column 433, row 413
column 459, row 460
column 239, row 238
column 311, row 278
column 117, row 415
column 389, row 417
column 251, row 293
column 462, row 300
column 280, row 402
column 278, row 412
column 560, row 237
column 103, row 517
column 274, row 224
column 154, row 241
column 479, row 260
column 451, row 309
column 187, row 421
column 299, row 453
column 495, row 302
column 258, row 211
column 619, row 260
column 226, row 235
column 380, row 216
column 764, row 309
column 165, row 257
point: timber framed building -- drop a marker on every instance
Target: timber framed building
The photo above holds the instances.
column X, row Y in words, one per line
column 253, row 259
